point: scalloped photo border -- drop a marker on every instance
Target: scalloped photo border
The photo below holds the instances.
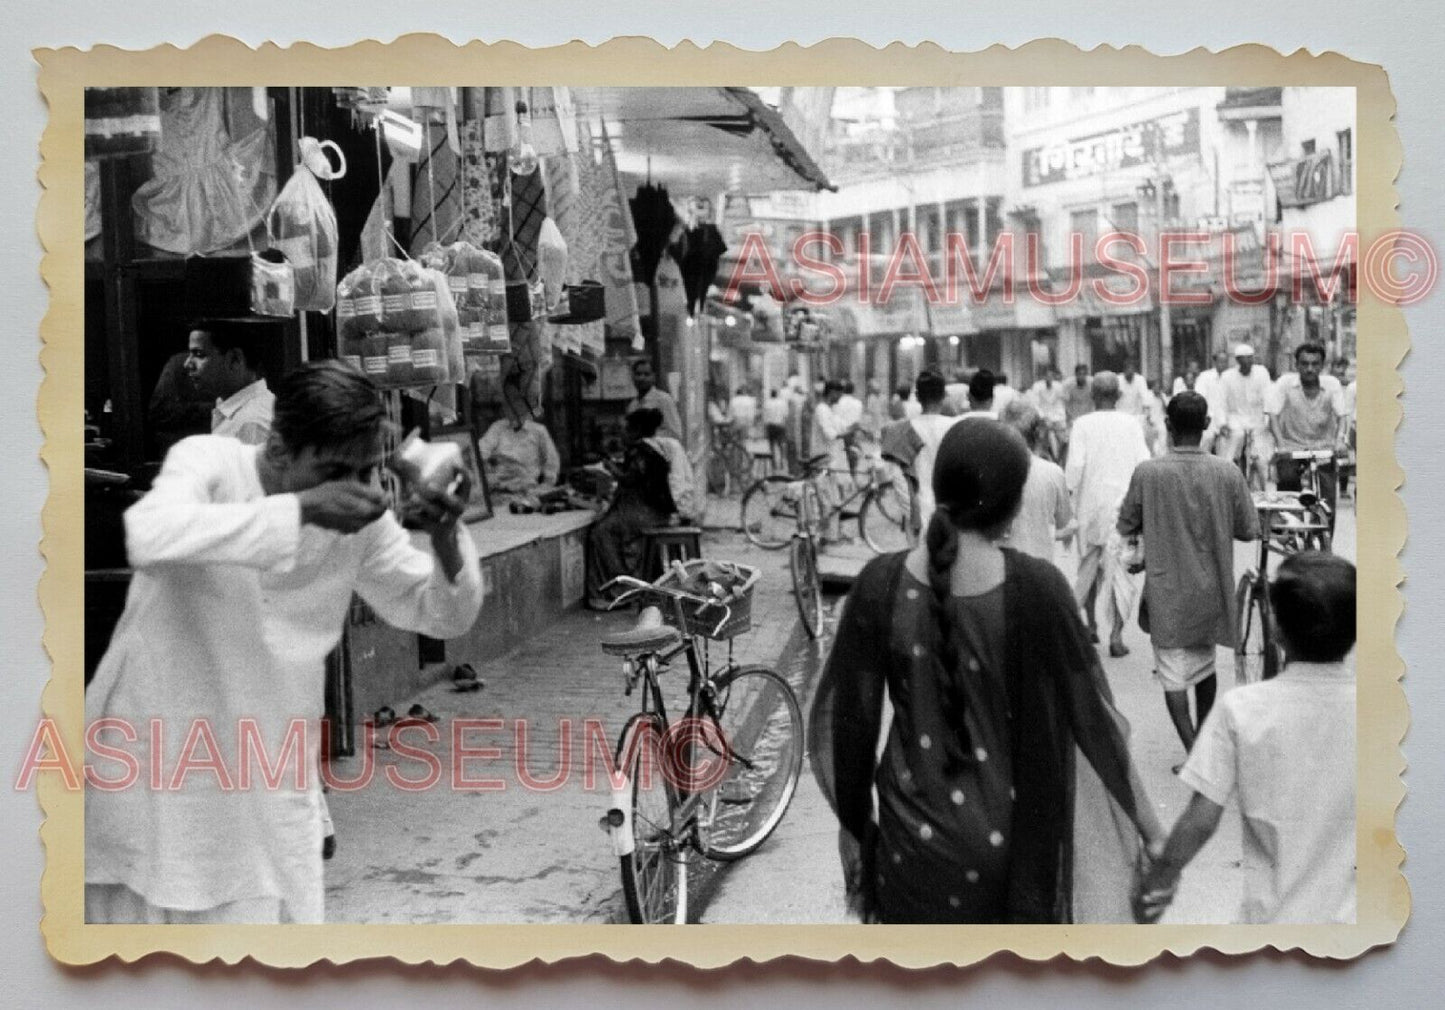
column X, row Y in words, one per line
column 1383, row 896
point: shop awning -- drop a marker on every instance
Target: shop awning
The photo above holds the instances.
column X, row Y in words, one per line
column 701, row 141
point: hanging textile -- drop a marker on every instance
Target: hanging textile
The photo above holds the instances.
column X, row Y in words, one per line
column 566, row 204
column 603, row 214
column 209, row 189
column 482, row 189
column 531, row 346
column 436, row 193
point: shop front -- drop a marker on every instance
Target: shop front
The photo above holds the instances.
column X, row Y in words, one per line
column 472, row 249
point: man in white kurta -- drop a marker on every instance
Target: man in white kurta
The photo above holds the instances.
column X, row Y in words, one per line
column 245, row 561
column 1104, row 448
column 1242, row 392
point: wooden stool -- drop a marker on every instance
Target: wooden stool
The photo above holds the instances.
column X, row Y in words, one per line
column 666, row 544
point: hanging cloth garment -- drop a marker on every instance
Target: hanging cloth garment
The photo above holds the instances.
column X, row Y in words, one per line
column 436, row 195
column 481, row 189
column 605, row 214
column 705, row 249
column 209, row 190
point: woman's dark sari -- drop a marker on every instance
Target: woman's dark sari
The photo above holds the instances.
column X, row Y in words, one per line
column 976, row 782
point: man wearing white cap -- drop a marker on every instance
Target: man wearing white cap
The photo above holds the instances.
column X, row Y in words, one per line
column 1244, row 389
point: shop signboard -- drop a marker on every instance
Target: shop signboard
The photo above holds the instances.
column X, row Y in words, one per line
column 1143, row 143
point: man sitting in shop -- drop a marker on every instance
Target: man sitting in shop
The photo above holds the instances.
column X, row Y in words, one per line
column 225, row 368
column 246, row 560
column 644, row 500
column 519, row 454
column 649, row 396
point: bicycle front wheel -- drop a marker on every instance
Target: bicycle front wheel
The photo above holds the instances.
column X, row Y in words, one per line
column 886, row 519
column 654, row 873
column 770, row 511
column 807, row 585
column 1255, row 656
column 752, row 734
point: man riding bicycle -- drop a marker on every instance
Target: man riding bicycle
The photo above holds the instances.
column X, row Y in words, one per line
column 1242, row 393
column 1306, row 414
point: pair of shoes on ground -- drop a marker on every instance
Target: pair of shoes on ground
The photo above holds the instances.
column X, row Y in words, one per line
column 386, row 715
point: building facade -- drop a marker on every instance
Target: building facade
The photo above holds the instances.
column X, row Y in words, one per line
column 1085, row 162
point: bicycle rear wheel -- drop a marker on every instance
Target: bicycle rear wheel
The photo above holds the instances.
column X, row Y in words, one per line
column 770, row 511
column 807, row 585
column 654, row 873
column 753, row 727
column 1255, row 655
column 886, row 519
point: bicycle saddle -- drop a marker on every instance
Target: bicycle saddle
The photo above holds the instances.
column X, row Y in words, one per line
column 649, row 634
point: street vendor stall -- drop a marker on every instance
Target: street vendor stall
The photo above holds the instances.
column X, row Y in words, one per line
column 471, row 249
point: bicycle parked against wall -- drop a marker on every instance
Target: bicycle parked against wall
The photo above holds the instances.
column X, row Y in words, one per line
column 715, row 782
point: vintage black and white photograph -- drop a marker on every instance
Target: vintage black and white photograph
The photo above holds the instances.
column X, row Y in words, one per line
column 721, row 504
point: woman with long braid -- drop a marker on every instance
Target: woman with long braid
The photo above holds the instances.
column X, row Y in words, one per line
column 993, row 682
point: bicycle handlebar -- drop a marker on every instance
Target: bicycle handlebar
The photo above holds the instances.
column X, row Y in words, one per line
column 1307, row 455
column 639, row 587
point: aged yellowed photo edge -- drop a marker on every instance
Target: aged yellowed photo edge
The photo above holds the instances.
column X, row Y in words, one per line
column 1384, row 900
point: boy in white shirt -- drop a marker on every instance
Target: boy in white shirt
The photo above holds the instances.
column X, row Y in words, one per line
column 1286, row 749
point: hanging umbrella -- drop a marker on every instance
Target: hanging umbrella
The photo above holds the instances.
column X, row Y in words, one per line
column 653, row 218
column 705, row 248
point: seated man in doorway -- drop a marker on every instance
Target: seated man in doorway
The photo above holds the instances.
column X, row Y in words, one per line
column 246, row 559
column 519, row 455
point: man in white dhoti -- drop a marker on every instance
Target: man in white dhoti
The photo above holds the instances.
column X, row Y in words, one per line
column 246, row 559
column 1104, row 448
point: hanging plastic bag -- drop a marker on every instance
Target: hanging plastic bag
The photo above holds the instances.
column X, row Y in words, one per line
column 551, row 260
column 303, row 226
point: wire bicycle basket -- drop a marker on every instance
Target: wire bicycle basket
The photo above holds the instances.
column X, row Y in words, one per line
column 702, row 617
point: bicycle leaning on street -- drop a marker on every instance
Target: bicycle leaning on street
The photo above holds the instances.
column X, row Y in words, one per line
column 883, row 500
column 729, row 463
column 715, row 782
column 1289, row 522
column 781, row 510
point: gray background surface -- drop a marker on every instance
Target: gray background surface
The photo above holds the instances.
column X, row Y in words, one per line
column 1405, row 37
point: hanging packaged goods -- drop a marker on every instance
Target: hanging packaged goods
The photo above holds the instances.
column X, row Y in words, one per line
column 302, row 224
column 396, row 321
column 478, row 287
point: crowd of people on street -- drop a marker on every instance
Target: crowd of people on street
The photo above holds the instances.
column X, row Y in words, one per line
column 991, row 663
column 969, row 658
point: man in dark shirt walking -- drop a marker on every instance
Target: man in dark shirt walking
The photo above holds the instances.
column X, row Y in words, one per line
column 1190, row 507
